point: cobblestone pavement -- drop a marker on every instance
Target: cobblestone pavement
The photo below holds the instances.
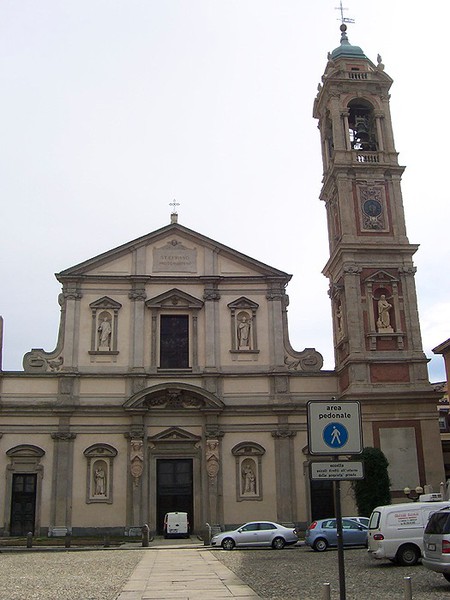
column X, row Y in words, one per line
column 299, row 572
column 295, row 572
column 84, row 575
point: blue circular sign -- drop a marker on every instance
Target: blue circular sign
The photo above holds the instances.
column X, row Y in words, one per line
column 335, row 435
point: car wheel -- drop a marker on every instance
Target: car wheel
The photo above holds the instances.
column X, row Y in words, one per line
column 320, row 545
column 408, row 555
column 447, row 576
column 278, row 543
column 228, row 544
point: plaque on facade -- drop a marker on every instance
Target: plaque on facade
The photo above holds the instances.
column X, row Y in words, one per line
column 174, row 257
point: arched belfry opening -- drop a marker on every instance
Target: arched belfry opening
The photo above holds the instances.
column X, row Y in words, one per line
column 362, row 126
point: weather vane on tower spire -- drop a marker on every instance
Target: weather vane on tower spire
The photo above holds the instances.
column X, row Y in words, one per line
column 343, row 19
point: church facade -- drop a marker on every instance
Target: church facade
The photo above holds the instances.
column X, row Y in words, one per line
column 174, row 386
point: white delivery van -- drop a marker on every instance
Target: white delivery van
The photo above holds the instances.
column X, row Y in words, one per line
column 396, row 530
column 176, row 524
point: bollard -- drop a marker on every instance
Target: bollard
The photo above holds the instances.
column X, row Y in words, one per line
column 67, row 540
column 326, row 591
column 106, row 541
column 145, row 536
column 408, row 588
column 29, row 540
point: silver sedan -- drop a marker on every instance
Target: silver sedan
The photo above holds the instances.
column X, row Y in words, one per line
column 257, row 533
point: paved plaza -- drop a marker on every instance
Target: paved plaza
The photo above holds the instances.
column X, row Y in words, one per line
column 190, row 571
column 188, row 574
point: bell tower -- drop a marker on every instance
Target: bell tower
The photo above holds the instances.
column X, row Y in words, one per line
column 378, row 347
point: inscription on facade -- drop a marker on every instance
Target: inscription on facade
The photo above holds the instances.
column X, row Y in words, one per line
column 174, row 258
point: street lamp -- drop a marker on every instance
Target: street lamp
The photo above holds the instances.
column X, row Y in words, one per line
column 413, row 494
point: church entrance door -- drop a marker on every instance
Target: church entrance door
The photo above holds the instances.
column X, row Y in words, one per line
column 23, row 503
column 174, row 489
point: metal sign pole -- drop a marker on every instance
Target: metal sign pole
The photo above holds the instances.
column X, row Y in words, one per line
column 340, row 540
column 334, row 428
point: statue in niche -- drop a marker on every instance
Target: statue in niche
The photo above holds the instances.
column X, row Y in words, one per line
column 248, row 479
column 384, row 318
column 104, row 333
column 100, row 481
column 243, row 332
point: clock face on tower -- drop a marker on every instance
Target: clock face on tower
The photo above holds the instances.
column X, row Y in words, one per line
column 372, row 208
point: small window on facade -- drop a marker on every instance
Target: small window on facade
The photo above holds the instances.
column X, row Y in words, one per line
column 174, row 342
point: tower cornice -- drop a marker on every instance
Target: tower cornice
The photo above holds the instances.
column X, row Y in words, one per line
column 362, row 254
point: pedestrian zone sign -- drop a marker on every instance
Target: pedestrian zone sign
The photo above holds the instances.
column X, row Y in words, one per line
column 334, row 428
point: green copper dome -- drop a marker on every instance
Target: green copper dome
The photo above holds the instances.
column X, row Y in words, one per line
column 346, row 49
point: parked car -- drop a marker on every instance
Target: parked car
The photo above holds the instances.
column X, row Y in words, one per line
column 322, row 534
column 436, row 543
column 257, row 533
column 362, row 520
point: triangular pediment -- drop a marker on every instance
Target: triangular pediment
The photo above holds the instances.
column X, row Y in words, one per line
column 105, row 302
column 174, row 298
column 243, row 302
column 175, row 434
column 172, row 251
column 380, row 277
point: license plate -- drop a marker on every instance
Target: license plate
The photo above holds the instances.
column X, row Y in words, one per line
column 431, row 546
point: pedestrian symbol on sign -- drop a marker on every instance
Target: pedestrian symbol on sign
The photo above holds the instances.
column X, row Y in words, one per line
column 335, row 435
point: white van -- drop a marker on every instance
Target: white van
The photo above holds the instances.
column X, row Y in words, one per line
column 396, row 530
column 176, row 524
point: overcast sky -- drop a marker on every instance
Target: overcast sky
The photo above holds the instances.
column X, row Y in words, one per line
column 111, row 109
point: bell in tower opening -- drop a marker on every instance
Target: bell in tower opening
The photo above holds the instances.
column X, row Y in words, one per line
column 361, row 126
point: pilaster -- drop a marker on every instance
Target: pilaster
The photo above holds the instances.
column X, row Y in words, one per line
column 62, row 480
column 285, row 470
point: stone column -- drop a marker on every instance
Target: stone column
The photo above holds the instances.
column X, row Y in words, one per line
column 71, row 298
column 213, row 470
column 378, row 116
column 211, row 298
column 136, row 462
column 344, row 115
column 285, row 475
column 275, row 308
column 137, row 296
column 354, row 317
column 62, row 480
